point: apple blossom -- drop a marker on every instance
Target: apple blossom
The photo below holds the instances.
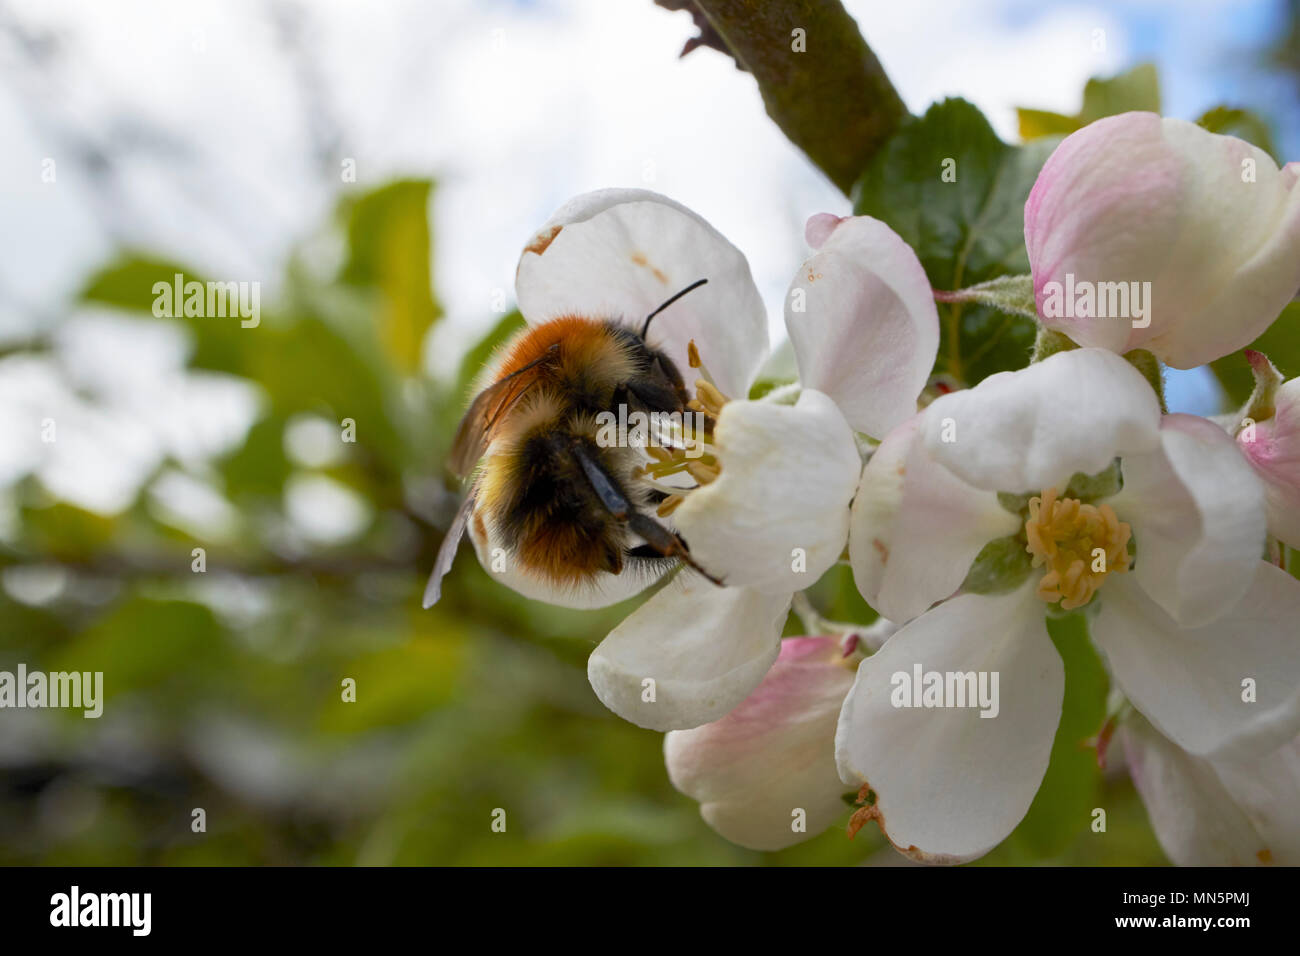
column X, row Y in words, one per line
column 1206, row 223
column 619, row 253
column 775, row 515
column 1168, row 548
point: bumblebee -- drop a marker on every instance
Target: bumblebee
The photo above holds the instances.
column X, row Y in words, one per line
column 565, row 505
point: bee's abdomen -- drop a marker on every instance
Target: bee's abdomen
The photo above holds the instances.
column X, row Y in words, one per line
column 558, row 526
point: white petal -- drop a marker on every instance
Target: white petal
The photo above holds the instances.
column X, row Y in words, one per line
column 1189, row 681
column 916, row 527
column 773, row 755
column 704, row 648
column 1032, row 429
column 1197, row 513
column 1216, row 813
column 619, row 254
column 863, row 323
column 1267, row 789
column 604, row 590
column 950, row 784
column 788, row 476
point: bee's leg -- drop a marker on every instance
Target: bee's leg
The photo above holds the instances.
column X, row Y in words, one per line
column 657, row 537
column 662, row 541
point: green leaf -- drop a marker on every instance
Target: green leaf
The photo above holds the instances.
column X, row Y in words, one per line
column 390, row 248
column 955, row 193
column 144, row 642
column 220, row 343
column 1242, row 124
column 66, row 532
column 397, row 684
column 1035, row 124
column 478, row 357
column 1062, row 809
column 259, row 467
column 1137, row 89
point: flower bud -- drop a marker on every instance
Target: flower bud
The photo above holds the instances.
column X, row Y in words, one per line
column 1269, row 436
column 1154, row 233
column 764, row 775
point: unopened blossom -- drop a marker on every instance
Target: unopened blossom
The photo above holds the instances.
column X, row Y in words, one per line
column 1272, row 446
column 773, row 514
column 1221, row 812
column 1169, row 549
column 1204, row 228
column 764, row 775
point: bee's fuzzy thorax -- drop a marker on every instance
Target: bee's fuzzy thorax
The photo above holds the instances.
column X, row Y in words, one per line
column 591, row 351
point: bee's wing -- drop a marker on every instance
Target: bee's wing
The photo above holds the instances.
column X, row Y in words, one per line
column 471, row 439
column 475, row 429
column 447, row 550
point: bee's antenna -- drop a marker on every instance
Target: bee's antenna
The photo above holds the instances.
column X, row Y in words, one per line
column 690, row 288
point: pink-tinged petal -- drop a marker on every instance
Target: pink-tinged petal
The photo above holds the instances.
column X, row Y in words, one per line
column 1197, row 514
column 1230, row 688
column 1273, row 448
column 774, row 755
column 778, row 514
column 1209, row 221
column 498, row 560
column 916, row 527
column 1034, row 428
column 689, row 654
column 951, row 784
column 862, row 320
column 621, row 253
column 819, row 228
column 1216, row 813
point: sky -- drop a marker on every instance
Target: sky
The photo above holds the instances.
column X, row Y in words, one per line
column 224, row 123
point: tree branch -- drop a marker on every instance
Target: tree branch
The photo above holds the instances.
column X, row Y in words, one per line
column 833, row 100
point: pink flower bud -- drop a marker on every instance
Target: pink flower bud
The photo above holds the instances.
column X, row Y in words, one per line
column 1272, row 447
column 764, row 775
column 1154, row 233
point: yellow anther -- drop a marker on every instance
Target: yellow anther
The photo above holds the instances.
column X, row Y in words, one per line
column 669, row 505
column 1079, row 544
column 709, row 398
column 702, row 472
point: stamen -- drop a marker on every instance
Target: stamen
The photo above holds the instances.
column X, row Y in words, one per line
column 864, row 814
column 708, row 398
column 668, row 457
column 1065, row 535
column 669, row 505
column 701, row 472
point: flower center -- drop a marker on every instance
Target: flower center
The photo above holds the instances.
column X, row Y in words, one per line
column 1079, row 545
column 688, row 454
